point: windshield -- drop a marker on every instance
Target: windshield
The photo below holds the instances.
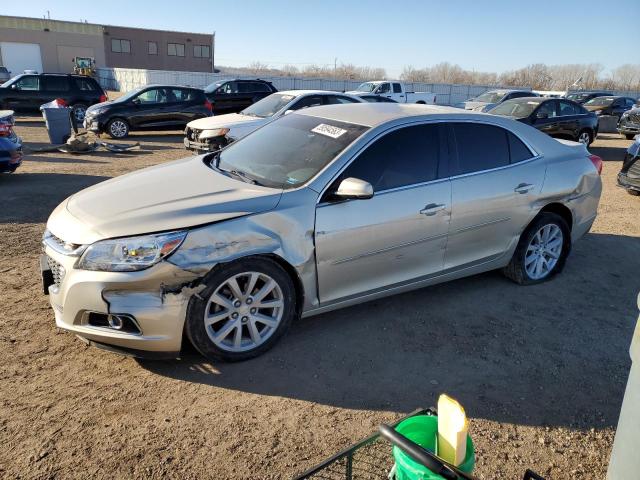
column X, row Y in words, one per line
column 601, row 101
column 490, row 97
column 213, row 86
column 366, row 87
column 289, row 151
column 515, row 108
column 268, row 106
column 129, row 95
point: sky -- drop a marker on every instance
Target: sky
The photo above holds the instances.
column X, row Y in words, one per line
column 489, row 35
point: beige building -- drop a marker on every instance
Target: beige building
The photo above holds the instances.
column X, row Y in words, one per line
column 47, row 45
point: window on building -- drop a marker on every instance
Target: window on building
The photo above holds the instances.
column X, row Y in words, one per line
column 152, row 48
column 175, row 49
column 119, row 45
column 201, row 51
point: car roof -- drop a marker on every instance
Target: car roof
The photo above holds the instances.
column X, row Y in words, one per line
column 373, row 114
column 298, row 93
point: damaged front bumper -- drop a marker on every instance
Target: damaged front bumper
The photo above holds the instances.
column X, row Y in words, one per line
column 155, row 300
column 198, row 141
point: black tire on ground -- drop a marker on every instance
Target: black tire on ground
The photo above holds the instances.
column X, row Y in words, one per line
column 117, row 128
column 590, row 136
column 635, row 193
column 629, row 136
column 194, row 325
column 516, row 269
column 79, row 110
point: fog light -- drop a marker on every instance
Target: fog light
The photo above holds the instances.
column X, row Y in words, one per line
column 115, row 322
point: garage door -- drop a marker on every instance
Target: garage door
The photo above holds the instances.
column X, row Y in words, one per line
column 18, row 57
column 67, row 54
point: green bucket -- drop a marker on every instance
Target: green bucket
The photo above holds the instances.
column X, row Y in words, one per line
column 423, row 430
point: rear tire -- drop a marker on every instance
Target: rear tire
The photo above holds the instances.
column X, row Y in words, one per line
column 532, row 246
column 79, row 111
column 117, row 128
column 232, row 318
column 635, row 193
column 585, row 137
column 629, row 136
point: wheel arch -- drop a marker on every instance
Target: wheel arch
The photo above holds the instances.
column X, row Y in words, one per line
column 561, row 210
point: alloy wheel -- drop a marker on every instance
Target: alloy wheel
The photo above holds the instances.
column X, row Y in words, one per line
column 543, row 251
column 244, row 311
column 584, row 138
column 118, row 128
column 79, row 113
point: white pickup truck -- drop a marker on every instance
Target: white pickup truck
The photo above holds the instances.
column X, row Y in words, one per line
column 393, row 90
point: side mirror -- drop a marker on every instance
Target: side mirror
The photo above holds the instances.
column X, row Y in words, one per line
column 288, row 112
column 136, row 101
column 542, row 115
column 354, row 188
column 14, row 87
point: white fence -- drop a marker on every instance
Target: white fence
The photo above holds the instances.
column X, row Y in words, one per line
column 124, row 79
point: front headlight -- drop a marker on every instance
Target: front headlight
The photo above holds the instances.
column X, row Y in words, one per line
column 130, row 254
column 216, row 132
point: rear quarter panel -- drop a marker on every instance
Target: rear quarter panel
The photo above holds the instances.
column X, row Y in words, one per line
column 573, row 181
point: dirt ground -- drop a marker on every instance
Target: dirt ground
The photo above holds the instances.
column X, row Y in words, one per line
column 541, row 370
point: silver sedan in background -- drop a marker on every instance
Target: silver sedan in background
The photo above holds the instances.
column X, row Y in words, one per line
column 323, row 208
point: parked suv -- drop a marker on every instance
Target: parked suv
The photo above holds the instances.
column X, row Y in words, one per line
column 28, row 92
column 4, row 74
column 156, row 107
column 230, row 96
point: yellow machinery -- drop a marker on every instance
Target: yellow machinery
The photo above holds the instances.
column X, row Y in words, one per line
column 84, row 66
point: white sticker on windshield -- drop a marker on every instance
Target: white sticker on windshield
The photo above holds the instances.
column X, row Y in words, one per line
column 329, row 131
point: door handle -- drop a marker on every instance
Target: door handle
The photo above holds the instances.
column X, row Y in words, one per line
column 432, row 209
column 523, row 188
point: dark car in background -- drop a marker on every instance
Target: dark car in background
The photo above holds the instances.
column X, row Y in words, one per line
column 585, row 96
column 610, row 105
column 4, row 74
column 558, row 118
column 10, row 144
column 231, row 96
column 157, row 107
column 629, row 123
column 28, row 92
column 377, row 99
column 629, row 176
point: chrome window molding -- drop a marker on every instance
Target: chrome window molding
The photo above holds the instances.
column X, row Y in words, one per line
column 410, row 123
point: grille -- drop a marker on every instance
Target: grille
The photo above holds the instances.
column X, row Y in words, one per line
column 192, row 134
column 634, row 118
column 57, row 271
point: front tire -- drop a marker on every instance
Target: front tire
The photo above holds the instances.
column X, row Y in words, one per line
column 542, row 250
column 246, row 307
column 117, row 128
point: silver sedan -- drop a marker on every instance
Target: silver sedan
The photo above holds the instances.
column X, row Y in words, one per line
column 321, row 209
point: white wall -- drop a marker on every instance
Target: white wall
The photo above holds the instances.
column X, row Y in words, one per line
column 124, row 79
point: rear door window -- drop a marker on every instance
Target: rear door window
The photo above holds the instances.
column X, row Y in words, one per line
column 183, row 95
column 406, row 156
column 56, row 83
column 480, row 147
column 518, row 151
column 397, row 88
column 567, row 109
column 85, row 84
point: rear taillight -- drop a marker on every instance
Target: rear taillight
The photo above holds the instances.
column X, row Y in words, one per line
column 597, row 162
column 103, row 98
column 208, row 105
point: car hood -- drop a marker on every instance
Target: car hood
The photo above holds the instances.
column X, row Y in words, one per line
column 172, row 196
column 229, row 120
column 471, row 104
column 595, row 108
